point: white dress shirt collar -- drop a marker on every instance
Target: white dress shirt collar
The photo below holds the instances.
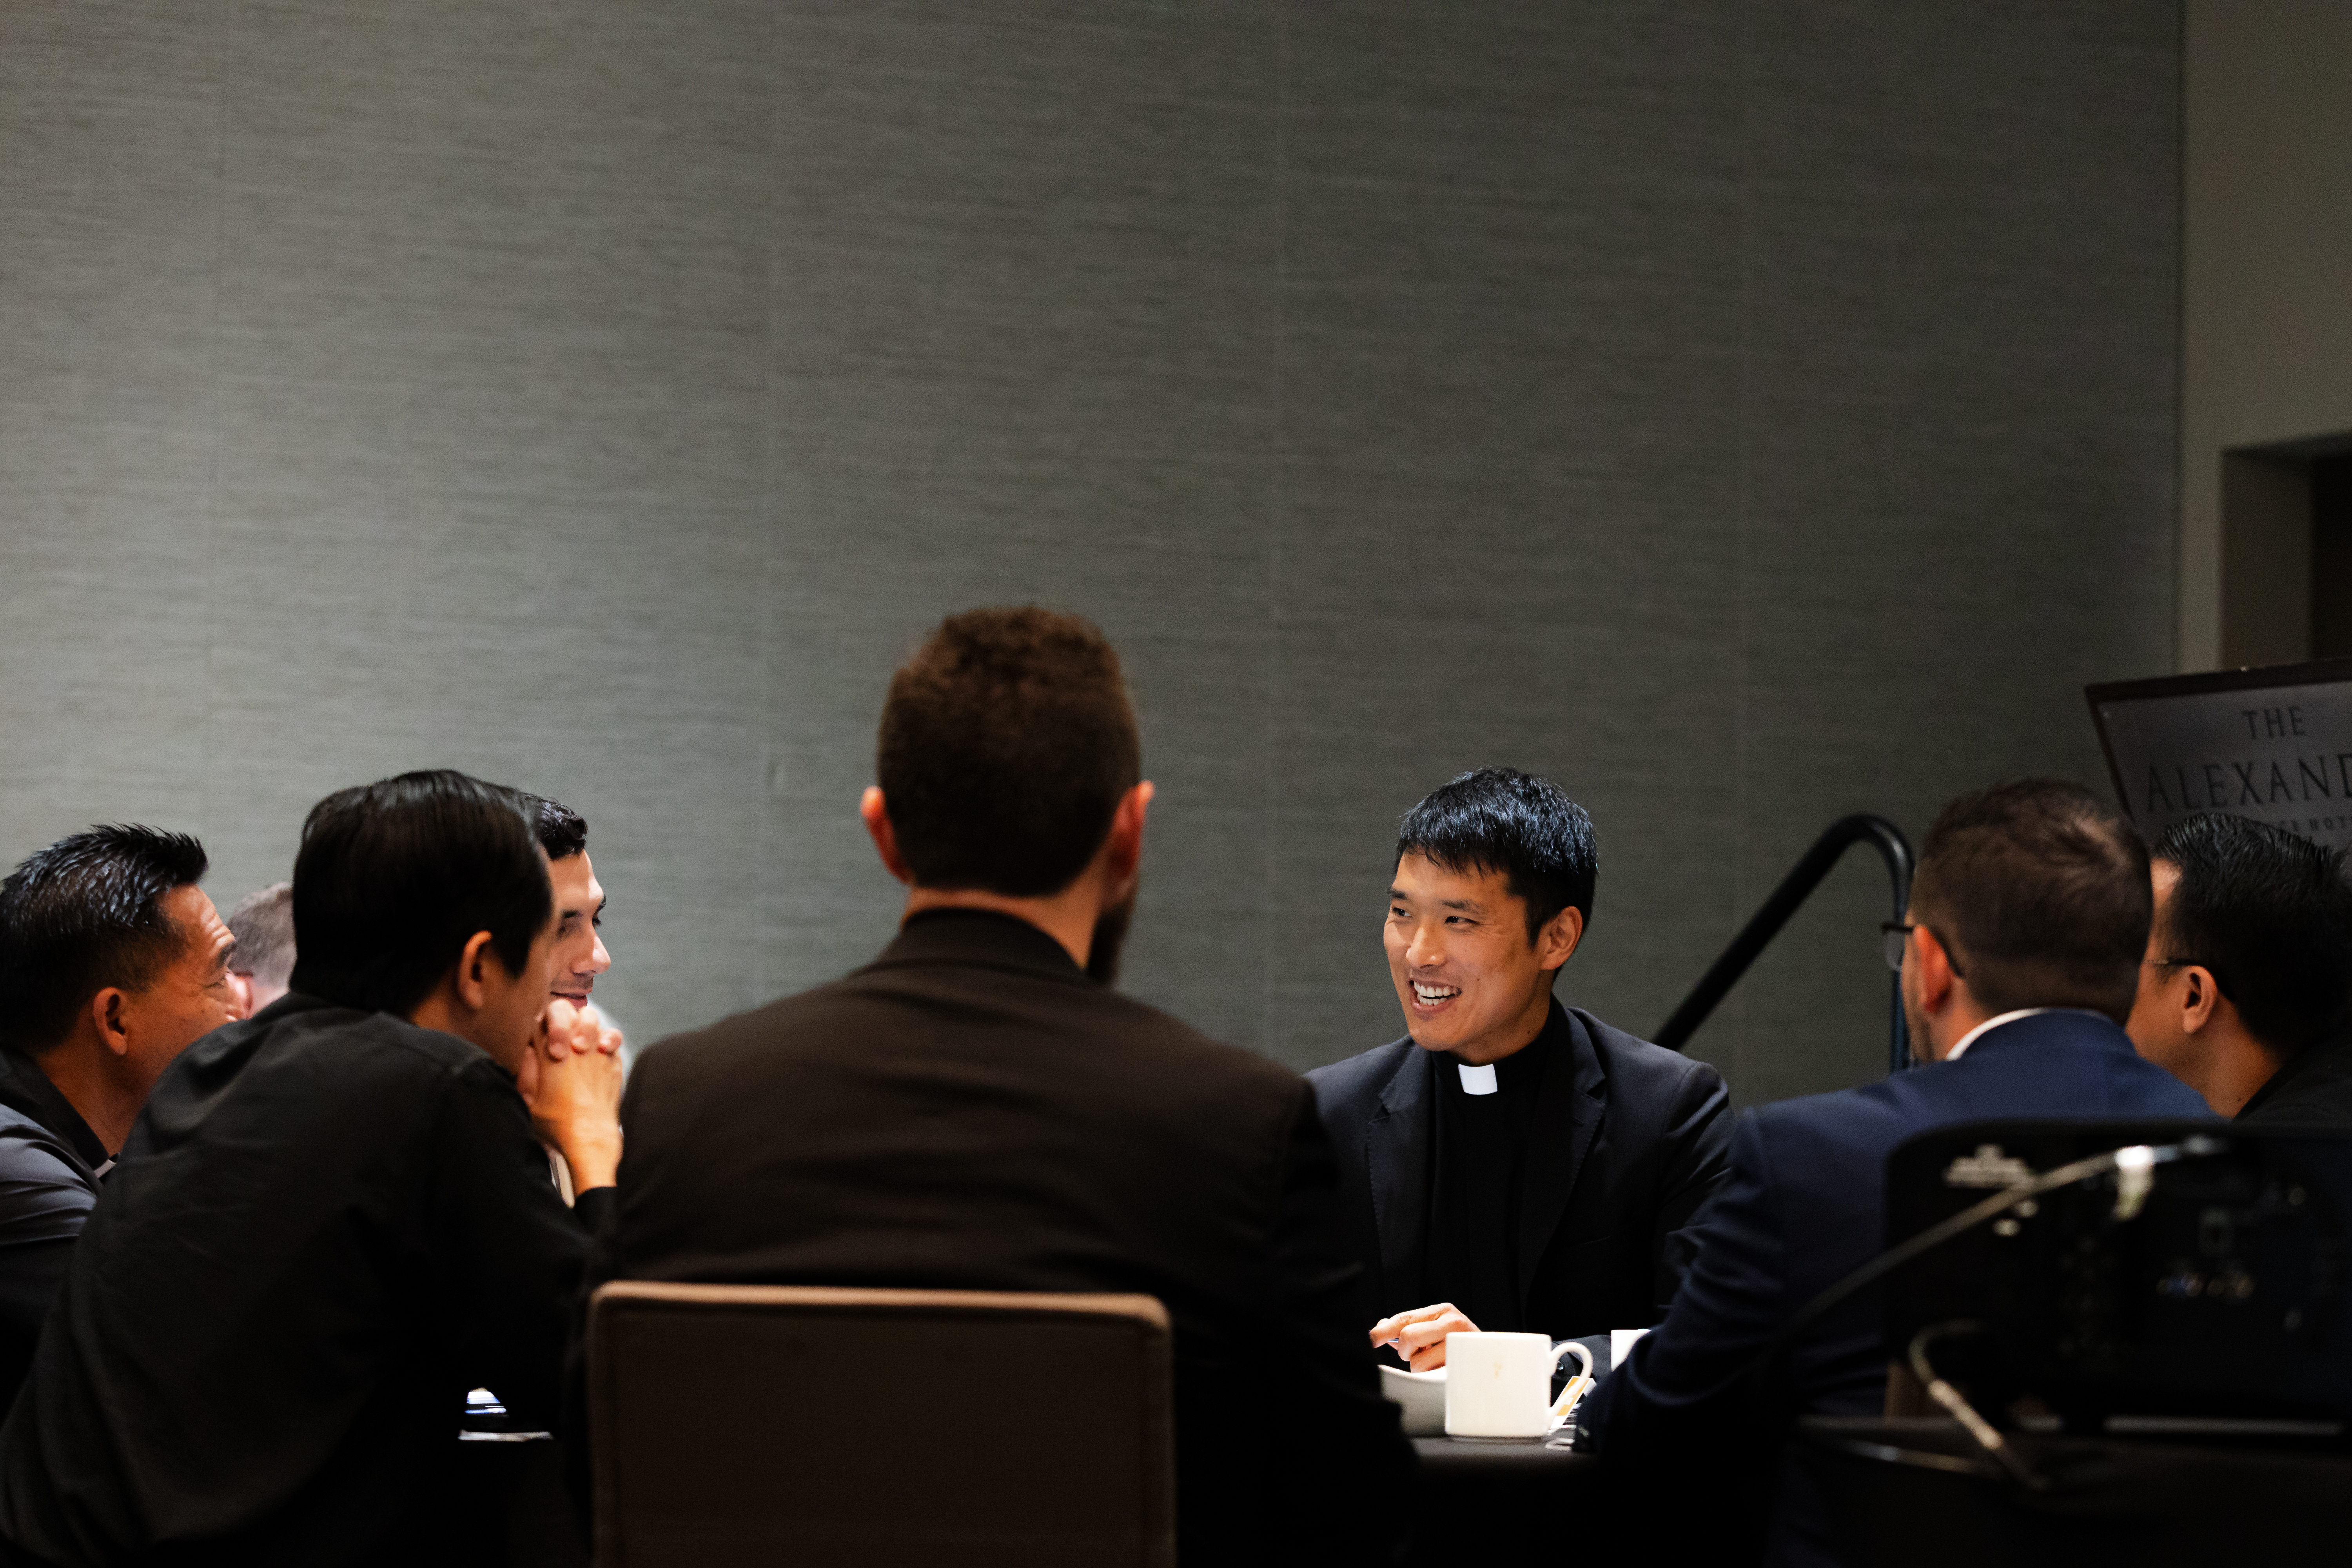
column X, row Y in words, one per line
column 1965, row 1041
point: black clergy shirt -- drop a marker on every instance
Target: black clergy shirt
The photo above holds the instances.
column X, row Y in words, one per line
column 1478, row 1162
column 50, row 1166
column 1583, row 1192
column 327, row 1227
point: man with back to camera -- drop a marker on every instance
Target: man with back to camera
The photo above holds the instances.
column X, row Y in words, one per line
column 2244, row 991
column 1511, row 1164
column 261, row 965
column 2018, row 958
column 113, row 962
column 331, row 1221
column 978, row 1108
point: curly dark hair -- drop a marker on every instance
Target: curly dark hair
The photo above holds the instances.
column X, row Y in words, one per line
column 1007, row 742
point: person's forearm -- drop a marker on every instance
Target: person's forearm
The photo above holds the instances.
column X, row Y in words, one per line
column 593, row 1155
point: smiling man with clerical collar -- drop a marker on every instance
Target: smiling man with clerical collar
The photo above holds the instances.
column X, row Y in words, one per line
column 1511, row 1164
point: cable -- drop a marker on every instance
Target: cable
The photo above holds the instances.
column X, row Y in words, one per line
column 1988, row 1436
column 2133, row 1165
column 2135, row 1162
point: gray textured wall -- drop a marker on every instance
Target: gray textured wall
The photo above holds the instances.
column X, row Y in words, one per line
column 1742, row 414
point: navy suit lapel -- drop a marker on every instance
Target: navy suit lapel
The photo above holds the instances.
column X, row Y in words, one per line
column 1396, row 1144
column 1568, row 1109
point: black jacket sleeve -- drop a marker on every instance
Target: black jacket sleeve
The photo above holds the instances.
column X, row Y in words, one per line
column 43, row 1203
column 1697, row 1139
column 1331, row 1446
column 516, row 1254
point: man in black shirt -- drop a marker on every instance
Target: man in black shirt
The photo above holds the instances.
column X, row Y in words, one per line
column 113, row 962
column 332, row 1220
column 2244, row 992
column 1511, row 1164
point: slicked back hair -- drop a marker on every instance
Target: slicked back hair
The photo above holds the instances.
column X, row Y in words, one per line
column 263, row 924
column 2041, row 893
column 1502, row 820
column 2270, row 913
column 563, row 832
column 1006, row 743
column 84, row 914
column 395, row 877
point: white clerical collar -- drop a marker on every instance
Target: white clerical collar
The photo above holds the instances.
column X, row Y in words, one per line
column 1478, row 1080
column 1969, row 1039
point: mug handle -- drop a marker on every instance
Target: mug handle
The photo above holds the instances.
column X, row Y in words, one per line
column 1577, row 1385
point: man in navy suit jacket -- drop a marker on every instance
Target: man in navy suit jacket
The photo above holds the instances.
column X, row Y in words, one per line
column 2028, row 920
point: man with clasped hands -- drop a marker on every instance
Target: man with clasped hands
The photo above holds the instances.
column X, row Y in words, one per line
column 1511, row 1164
column 333, row 1219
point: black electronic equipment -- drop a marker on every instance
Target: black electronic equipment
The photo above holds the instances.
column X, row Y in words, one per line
column 2200, row 1273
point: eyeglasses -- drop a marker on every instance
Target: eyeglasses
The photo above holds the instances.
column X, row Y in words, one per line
column 1898, row 937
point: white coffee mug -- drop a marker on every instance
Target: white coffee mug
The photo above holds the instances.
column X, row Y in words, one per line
column 1499, row 1386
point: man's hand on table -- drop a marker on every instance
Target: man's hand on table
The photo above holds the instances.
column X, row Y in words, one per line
column 572, row 1082
column 1418, row 1335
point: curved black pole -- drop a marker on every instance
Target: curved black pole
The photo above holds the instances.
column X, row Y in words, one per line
column 1846, row 832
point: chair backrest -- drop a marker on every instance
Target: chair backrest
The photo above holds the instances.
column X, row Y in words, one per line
column 813, row 1424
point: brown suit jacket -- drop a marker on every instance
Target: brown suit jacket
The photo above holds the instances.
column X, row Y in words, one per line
column 972, row 1112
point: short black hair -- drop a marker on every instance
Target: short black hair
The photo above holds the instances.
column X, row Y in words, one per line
column 395, row 877
column 84, row 914
column 563, row 832
column 1501, row 820
column 263, row 924
column 2041, row 893
column 2268, row 913
column 1007, row 742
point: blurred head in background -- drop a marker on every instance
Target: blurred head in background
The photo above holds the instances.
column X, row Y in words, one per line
column 262, row 962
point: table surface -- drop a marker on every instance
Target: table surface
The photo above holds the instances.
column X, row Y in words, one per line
column 1456, row 1455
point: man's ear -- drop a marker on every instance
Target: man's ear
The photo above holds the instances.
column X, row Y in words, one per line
column 473, row 980
column 1934, row 967
column 1559, row 938
column 2200, row 999
column 108, row 1012
column 1125, row 843
column 871, row 811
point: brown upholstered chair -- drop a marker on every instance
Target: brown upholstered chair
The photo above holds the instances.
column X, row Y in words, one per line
column 807, row 1424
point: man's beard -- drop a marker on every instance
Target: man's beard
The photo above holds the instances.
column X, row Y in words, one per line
column 1110, row 936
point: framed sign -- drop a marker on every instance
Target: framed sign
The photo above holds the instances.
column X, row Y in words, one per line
column 2272, row 744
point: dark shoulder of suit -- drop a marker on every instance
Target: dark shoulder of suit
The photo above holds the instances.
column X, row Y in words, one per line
column 326, row 1227
column 970, row 1111
column 2314, row 1089
column 1804, row 1206
column 47, row 1191
column 972, row 1048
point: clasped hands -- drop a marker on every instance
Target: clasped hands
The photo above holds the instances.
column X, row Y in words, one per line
column 571, row 1080
column 1419, row 1336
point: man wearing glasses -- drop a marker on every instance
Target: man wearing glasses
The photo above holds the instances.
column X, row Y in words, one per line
column 2019, row 959
column 2243, row 993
